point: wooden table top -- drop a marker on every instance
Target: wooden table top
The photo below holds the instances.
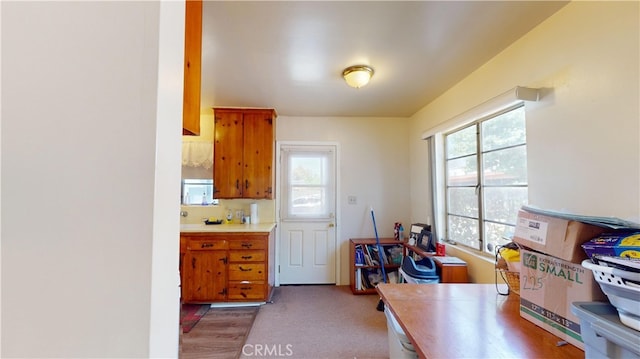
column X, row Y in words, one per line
column 469, row 321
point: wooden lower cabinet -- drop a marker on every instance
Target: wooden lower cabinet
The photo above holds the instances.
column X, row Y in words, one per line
column 205, row 278
column 220, row 267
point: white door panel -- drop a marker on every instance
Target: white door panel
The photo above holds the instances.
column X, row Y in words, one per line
column 307, row 253
column 294, row 241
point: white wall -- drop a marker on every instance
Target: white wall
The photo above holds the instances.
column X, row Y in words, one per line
column 583, row 148
column 373, row 167
column 165, row 277
column 89, row 189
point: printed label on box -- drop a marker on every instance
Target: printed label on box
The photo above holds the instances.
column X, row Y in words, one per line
column 559, row 322
column 547, row 266
column 531, row 229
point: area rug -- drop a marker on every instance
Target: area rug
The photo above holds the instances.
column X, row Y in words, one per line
column 220, row 334
column 190, row 315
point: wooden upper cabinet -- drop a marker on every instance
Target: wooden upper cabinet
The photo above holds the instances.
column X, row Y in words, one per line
column 258, row 154
column 243, row 153
column 192, row 67
column 228, row 147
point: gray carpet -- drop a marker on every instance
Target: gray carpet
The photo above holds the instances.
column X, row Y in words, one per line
column 314, row 322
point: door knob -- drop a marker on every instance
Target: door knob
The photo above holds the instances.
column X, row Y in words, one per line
column 331, row 225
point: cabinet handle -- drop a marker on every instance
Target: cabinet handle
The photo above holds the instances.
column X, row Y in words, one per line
column 193, row 263
column 245, row 288
column 237, row 184
column 245, row 270
column 247, row 245
column 223, row 260
column 247, row 257
column 246, row 184
column 206, row 245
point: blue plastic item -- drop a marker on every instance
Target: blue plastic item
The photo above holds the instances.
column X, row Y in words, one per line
column 423, row 269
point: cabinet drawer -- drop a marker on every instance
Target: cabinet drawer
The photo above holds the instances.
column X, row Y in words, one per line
column 249, row 243
column 247, row 256
column 207, row 244
column 246, row 290
column 247, row 271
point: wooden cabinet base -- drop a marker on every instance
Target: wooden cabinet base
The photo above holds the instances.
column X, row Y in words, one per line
column 227, row 267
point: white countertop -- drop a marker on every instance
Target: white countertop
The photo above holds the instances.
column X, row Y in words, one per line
column 200, row 227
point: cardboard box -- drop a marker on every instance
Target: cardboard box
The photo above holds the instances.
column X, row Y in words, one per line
column 548, row 287
column 557, row 237
column 616, row 244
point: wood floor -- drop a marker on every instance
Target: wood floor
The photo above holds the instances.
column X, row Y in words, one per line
column 220, row 334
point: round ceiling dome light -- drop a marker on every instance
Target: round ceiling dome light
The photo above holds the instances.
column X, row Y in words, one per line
column 358, row 75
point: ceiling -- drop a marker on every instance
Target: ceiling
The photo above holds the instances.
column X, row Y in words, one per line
column 290, row 55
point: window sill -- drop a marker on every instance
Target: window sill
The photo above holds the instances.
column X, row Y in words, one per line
column 482, row 257
column 481, row 268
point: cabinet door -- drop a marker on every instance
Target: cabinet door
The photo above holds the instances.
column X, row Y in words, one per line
column 205, row 276
column 227, row 154
column 192, row 67
column 258, row 154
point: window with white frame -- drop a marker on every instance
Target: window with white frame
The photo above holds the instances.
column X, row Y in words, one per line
column 485, row 179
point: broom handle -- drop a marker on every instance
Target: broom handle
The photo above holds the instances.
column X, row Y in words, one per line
column 375, row 229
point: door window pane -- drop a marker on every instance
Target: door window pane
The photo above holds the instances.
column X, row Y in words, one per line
column 309, row 184
column 308, row 200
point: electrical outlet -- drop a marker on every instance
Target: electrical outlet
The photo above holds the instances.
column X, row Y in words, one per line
column 352, row 199
column 239, row 213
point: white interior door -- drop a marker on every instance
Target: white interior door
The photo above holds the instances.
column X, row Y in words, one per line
column 307, row 240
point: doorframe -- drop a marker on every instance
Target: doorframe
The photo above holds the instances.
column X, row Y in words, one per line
column 278, row 206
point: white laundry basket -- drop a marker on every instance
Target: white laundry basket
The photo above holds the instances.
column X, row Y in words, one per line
column 622, row 289
column 399, row 345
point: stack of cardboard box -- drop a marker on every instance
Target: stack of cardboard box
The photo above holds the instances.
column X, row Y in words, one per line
column 551, row 277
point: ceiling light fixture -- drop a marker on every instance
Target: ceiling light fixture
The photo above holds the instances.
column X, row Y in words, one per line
column 358, row 75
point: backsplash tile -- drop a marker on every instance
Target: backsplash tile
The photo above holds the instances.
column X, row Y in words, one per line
column 196, row 214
